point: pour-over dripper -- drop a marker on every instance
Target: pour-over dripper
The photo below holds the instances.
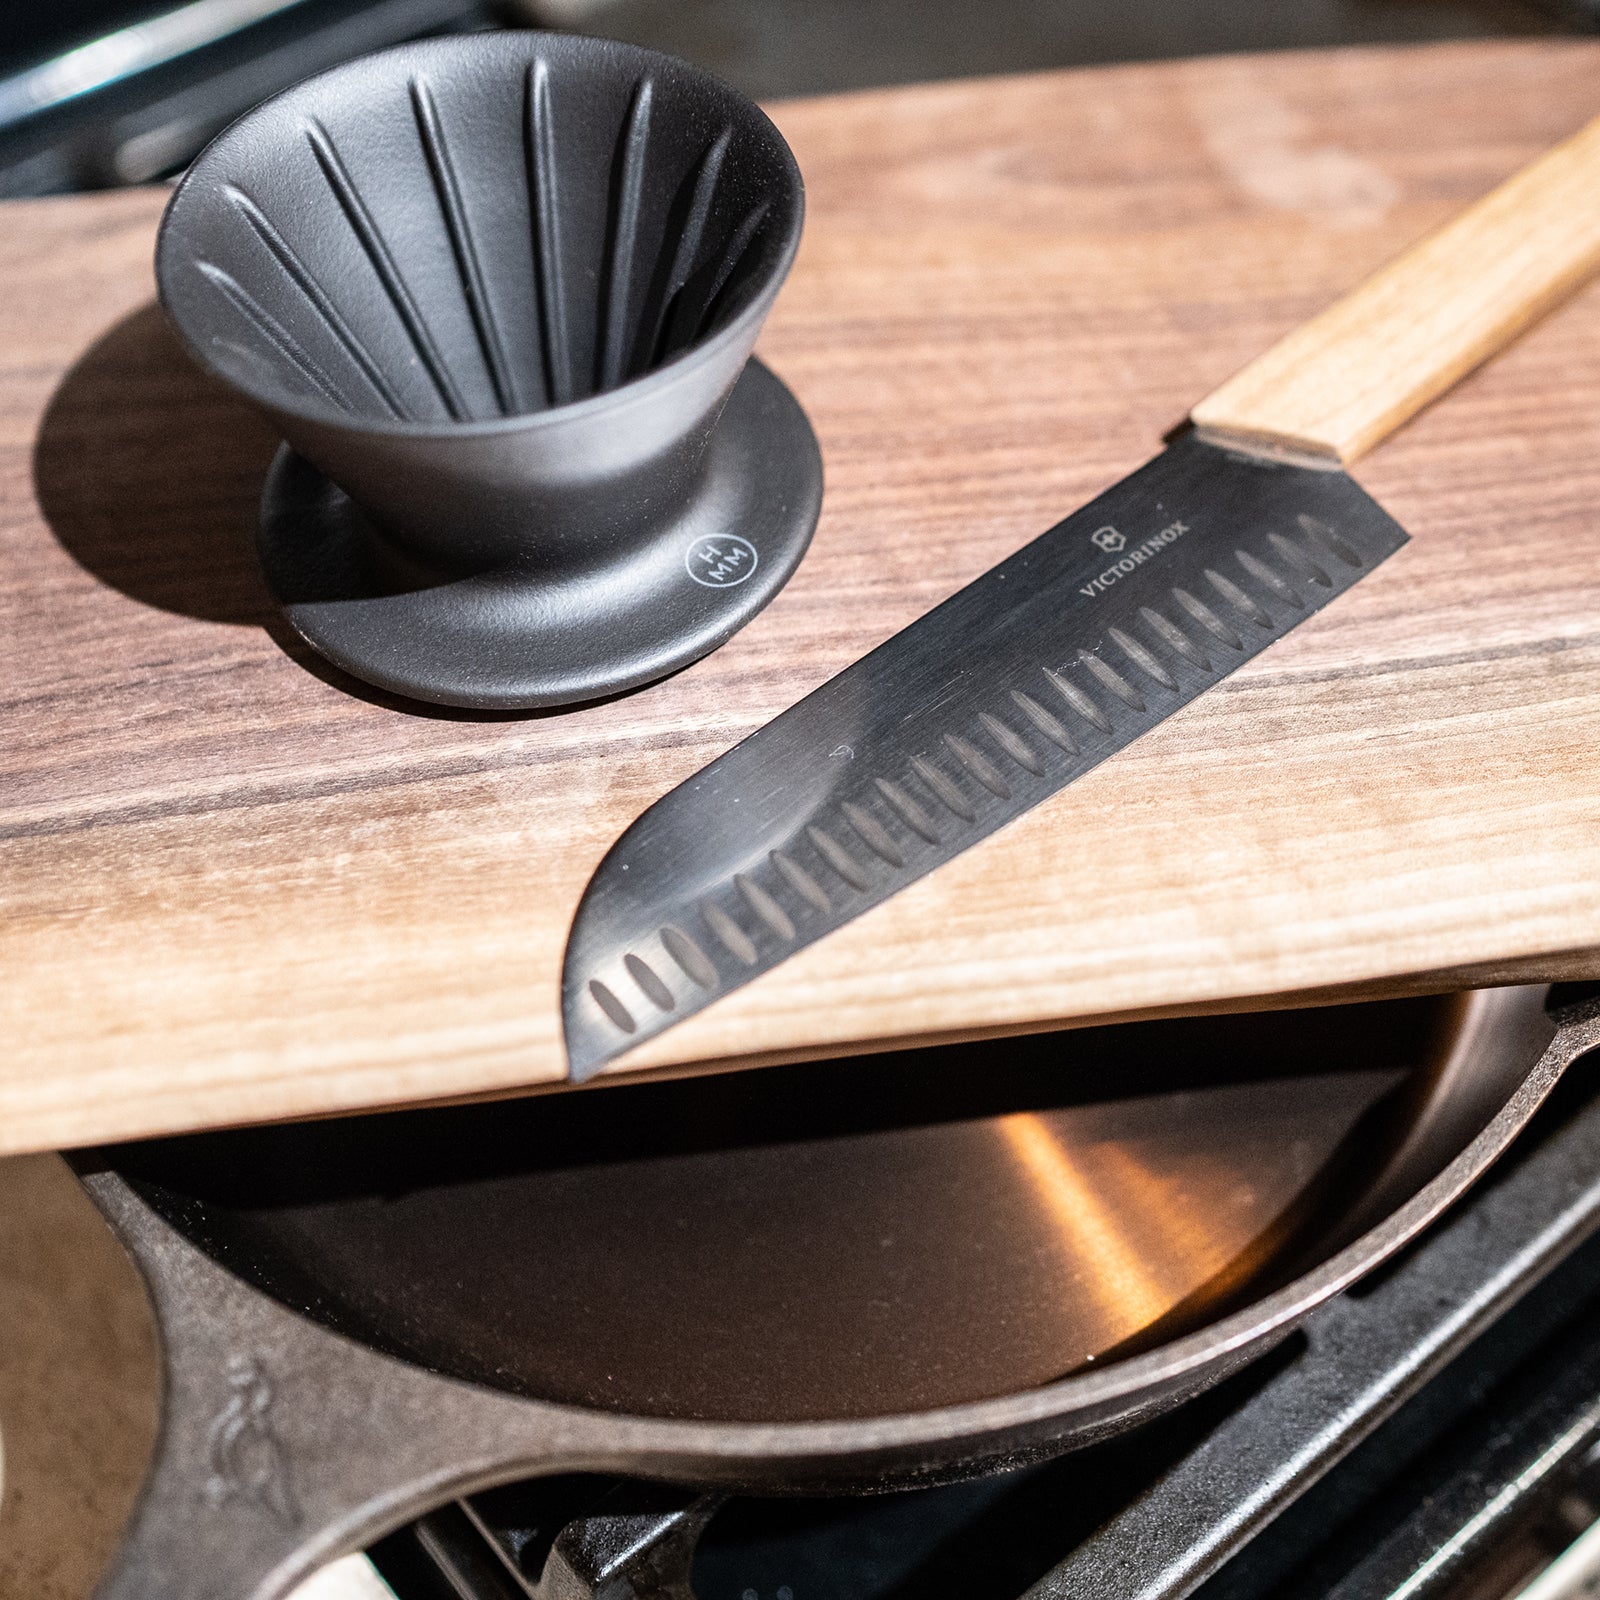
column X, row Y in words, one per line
column 499, row 294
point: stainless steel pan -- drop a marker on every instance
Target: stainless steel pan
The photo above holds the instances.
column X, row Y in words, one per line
column 846, row 1275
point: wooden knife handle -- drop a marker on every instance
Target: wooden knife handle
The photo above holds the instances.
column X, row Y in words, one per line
column 1342, row 382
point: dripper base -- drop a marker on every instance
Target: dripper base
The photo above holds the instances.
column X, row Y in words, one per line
column 510, row 640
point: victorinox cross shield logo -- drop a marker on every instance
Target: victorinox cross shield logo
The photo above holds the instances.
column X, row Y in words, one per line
column 1109, row 540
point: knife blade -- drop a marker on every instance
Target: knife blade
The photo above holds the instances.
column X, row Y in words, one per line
column 1072, row 647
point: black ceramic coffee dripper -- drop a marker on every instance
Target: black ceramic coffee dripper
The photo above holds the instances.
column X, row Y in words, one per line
column 499, row 293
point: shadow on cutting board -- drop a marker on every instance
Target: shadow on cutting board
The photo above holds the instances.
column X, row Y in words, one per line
column 149, row 474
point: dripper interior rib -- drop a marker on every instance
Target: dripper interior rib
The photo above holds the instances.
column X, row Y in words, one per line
column 448, row 245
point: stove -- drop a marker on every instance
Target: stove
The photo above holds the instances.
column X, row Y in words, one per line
column 1432, row 1434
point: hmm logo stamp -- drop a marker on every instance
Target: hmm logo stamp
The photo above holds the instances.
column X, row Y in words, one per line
column 721, row 561
column 1109, row 540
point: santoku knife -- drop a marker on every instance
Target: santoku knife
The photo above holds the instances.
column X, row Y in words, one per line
column 1241, row 528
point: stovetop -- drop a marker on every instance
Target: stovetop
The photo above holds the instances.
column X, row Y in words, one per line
column 1434, row 1434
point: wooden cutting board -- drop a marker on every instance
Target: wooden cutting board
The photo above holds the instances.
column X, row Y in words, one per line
column 234, row 887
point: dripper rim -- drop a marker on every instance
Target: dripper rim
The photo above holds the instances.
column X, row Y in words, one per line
column 676, row 368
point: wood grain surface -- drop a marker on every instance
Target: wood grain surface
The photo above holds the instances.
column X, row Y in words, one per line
column 233, row 886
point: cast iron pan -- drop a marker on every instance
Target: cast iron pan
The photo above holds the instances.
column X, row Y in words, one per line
column 840, row 1276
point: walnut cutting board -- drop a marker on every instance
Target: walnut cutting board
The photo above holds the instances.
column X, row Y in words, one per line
column 232, row 888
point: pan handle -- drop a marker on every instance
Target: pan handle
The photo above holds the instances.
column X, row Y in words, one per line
column 283, row 1446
